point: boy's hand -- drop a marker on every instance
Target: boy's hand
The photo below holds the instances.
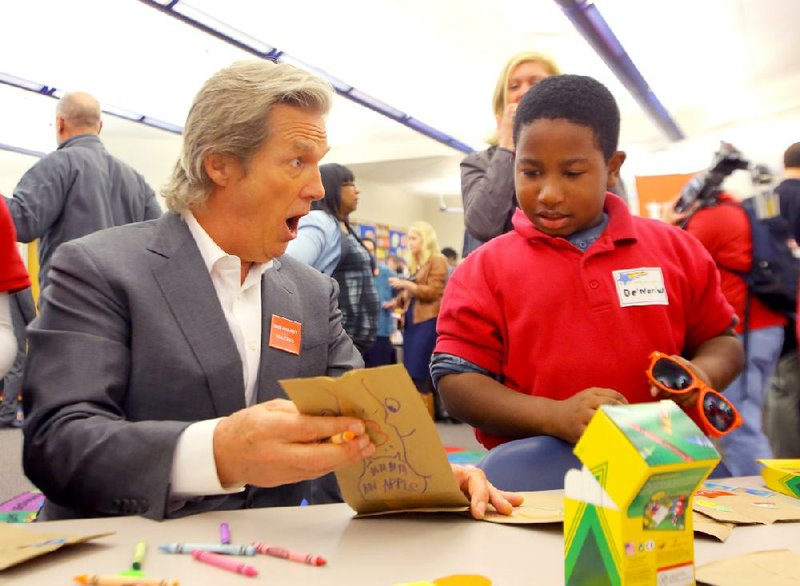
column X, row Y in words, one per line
column 572, row 415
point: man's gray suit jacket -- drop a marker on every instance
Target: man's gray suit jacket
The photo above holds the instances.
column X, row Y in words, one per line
column 132, row 346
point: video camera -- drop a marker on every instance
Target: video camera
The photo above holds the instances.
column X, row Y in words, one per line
column 704, row 187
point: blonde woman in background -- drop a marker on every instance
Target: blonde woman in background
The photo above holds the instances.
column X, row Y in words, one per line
column 419, row 299
column 487, row 177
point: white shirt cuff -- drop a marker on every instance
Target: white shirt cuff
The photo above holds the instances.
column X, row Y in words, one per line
column 194, row 470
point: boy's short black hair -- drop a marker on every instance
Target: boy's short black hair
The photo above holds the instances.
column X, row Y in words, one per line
column 450, row 253
column 576, row 98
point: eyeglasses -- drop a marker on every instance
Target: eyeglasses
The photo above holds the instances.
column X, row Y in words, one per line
column 713, row 413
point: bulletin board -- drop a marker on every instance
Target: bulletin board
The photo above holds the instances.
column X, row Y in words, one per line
column 390, row 240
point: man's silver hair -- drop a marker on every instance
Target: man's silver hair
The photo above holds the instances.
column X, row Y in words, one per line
column 228, row 116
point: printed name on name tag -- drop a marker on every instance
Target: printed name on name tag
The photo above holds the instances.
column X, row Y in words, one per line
column 643, row 286
column 285, row 334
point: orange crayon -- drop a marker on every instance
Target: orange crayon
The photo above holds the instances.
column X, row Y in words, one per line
column 345, row 436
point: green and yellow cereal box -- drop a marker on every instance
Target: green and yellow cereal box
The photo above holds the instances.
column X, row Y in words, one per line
column 627, row 513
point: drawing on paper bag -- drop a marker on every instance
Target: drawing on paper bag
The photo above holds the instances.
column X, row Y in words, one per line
column 407, row 471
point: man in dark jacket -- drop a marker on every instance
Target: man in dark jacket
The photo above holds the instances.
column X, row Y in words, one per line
column 79, row 188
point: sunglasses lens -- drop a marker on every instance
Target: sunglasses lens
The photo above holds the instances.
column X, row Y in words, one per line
column 718, row 411
column 671, row 375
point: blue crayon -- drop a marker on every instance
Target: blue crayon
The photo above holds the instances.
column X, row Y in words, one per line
column 222, row 548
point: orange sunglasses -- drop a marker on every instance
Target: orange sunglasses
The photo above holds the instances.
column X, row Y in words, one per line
column 713, row 413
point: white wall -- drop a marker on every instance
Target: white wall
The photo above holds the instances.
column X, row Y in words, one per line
column 386, row 205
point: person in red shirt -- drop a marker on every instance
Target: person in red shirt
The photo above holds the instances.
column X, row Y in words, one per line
column 724, row 230
column 543, row 325
column 13, row 278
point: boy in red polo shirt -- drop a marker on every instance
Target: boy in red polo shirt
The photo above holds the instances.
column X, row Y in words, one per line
column 544, row 324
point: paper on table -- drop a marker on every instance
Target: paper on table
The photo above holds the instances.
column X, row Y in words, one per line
column 539, row 507
column 709, row 526
column 409, row 470
column 742, row 507
column 18, row 545
column 776, row 568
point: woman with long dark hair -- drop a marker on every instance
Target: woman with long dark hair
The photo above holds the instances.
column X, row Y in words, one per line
column 327, row 242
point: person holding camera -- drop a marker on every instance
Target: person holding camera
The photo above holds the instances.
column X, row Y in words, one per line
column 720, row 223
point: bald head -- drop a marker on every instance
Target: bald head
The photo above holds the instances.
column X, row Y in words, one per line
column 77, row 113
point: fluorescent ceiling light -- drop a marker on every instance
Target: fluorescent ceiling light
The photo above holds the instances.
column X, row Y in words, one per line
column 161, row 124
column 20, row 82
column 338, row 84
column 225, row 32
column 46, row 90
column 122, row 112
column 208, row 21
column 21, row 150
column 375, row 104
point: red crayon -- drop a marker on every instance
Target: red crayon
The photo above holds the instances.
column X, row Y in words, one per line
column 225, row 562
column 289, row 554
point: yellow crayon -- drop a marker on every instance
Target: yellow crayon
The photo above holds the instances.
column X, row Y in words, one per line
column 138, row 555
column 345, row 436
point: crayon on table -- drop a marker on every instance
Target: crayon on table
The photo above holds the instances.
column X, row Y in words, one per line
column 138, row 555
column 289, row 554
column 224, row 534
column 345, row 436
column 226, row 549
column 111, row 580
column 224, row 562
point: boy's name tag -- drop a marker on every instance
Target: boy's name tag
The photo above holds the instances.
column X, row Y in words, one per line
column 284, row 334
column 643, row 286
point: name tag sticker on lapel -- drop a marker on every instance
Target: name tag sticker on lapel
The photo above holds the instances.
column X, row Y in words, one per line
column 284, row 334
column 643, row 286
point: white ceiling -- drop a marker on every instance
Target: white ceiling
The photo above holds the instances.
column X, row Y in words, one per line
column 714, row 64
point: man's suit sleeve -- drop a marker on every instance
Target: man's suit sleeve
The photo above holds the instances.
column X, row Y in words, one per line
column 40, row 195
column 152, row 209
column 79, row 449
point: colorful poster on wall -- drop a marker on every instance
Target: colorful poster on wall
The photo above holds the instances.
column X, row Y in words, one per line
column 397, row 242
column 389, row 240
column 368, row 231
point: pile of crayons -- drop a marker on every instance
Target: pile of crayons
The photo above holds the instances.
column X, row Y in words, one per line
column 215, row 554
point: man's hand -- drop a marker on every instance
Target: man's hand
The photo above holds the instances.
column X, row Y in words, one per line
column 271, row 444
column 473, row 483
column 571, row 416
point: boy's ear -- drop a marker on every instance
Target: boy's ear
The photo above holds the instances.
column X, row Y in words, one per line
column 614, row 164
